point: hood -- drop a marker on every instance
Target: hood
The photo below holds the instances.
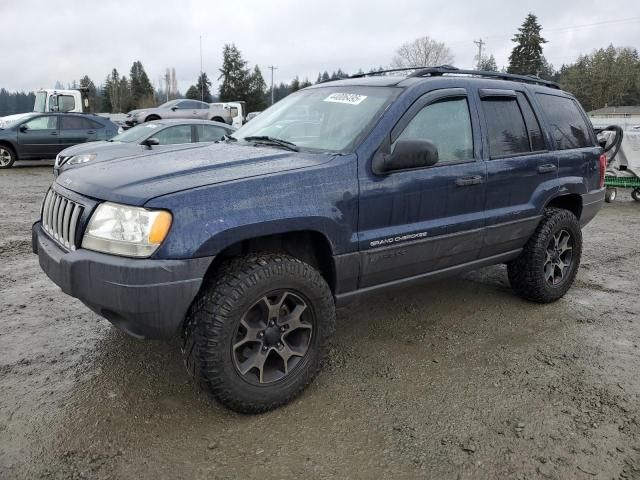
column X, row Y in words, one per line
column 139, row 110
column 9, row 119
column 136, row 180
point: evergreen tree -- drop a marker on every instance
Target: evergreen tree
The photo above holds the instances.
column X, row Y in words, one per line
column 319, row 78
column 526, row 57
column 234, row 75
column 488, row 64
column 193, row 93
column 92, row 93
column 295, row 85
column 141, row 88
column 306, row 83
column 204, row 88
column 325, row 76
column 255, row 99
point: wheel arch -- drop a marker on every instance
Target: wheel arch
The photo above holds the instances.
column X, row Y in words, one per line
column 569, row 201
column 218, row 119
column 8, row 144
column 152, row 117
column 310, row 246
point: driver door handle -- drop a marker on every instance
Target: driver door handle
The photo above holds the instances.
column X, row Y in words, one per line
column 53, row 133
column 91, row 132
column 467, row 181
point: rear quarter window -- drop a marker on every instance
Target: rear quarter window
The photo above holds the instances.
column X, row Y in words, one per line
column 568, row 126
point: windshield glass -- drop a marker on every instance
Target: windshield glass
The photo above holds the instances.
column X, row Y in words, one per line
column 137, row 133
column 327, row 119
column 41, row 101
column 169, row 104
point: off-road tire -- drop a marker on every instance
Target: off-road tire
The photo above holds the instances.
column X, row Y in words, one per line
column 211, row 328
column 526, row 273
column 7, row 156
column 610, row 195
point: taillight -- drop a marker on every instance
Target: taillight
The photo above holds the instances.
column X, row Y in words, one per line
column 603, row 169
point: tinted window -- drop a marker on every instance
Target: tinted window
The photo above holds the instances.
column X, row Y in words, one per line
column 190, row 104
column 174, row 135
column 506, row 129
column 533, row 127
column 568, row 127
column 209, row 133
column 75, row 123
column 447, row 125
column 42, row 123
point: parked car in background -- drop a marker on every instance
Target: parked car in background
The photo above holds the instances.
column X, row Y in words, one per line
column 161, row 135
column 37, row 136
column 237, row 110
column 183, row 108
column 251, row 116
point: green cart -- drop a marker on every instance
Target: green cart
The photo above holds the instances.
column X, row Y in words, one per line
column 614, row 182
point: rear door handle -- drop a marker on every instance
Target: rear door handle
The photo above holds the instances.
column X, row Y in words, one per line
column 548, row 168
column 53, row 133
column 91, row 132
column 467, row 181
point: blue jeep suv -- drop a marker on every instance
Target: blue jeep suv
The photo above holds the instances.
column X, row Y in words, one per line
column 243, row 248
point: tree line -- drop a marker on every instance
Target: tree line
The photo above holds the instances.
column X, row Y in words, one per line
column 605, row 77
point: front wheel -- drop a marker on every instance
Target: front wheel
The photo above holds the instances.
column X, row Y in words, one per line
column 258, row 334
column 7, row 157
column 549, row 262
column 635, row 194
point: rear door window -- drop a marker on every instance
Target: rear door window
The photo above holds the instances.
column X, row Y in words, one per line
column 533, row 126
column 507, row 131
column 75, row 123
column 210, row 133
column 48, row 122
column 174, row 135
column 568, row 127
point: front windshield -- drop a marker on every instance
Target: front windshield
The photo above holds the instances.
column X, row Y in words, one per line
column 327, row 119
column 135, row 134
column 41, row 101
column 169, row 104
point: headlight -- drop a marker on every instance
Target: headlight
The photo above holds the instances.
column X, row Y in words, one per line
column 128, row 231
column 77, row 159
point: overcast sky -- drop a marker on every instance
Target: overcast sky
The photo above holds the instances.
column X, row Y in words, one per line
column 44, row 41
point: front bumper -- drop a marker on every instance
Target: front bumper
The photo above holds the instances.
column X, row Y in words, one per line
column 145, row 298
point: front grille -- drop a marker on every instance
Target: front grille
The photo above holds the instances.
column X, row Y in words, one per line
column 60, row 218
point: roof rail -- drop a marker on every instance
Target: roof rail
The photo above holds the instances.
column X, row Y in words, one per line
column 449, row 70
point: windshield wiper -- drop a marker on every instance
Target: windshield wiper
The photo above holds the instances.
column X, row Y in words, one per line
column 272, row 141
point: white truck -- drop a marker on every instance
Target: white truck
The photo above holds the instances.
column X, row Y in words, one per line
column 238, row 111
column 55, row 100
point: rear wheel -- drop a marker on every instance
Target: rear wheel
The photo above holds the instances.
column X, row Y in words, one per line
column 218, row 119
column 549, row 262
column 7, row 157
column 635, row 194
column 257, row 335
column 610, row 195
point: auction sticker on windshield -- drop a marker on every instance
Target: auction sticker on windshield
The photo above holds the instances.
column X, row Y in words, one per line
column 348, row 98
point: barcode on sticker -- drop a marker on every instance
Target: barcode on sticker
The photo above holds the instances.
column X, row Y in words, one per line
column 349, row 98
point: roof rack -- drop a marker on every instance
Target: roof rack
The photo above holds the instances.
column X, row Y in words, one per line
column 449, row 70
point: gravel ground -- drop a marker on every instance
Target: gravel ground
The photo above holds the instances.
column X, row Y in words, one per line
column 456, row 379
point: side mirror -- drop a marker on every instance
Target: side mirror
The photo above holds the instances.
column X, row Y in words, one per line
column 23, row 128
column 150, row 142
column 174, row 108
column 406, row 155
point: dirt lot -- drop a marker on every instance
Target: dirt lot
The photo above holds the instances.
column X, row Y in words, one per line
column 457, row 379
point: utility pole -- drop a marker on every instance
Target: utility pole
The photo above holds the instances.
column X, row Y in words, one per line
column 480, row 44
column 201, row 86
column 272, row 69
